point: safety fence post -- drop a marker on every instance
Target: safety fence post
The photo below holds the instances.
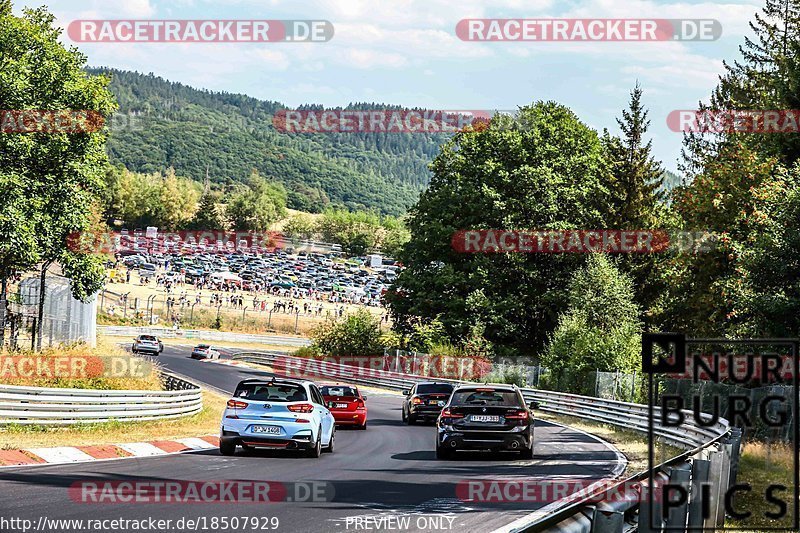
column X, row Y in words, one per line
column 679, row 477
column 700, row 469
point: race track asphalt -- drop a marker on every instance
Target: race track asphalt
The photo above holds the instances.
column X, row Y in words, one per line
column 388, row 472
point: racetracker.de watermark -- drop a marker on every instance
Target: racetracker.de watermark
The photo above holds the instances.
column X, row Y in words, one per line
column 588, row 30
column 379, row 367
column 203, row 492
column 580, row 241
column 50, row 121
column 23, row 367
column 552, row 490
column 200, row 31
column 178, row 242
column 734, row 121
column 378, row 120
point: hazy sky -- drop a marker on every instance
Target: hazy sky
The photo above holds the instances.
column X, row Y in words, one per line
column 407, row 53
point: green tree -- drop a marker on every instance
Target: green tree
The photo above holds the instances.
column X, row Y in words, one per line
column 635, row 189
column 600, row 329
column 542, row 169
column 357, row 334
column 636, row 192
column 178, row 201
column 60, row 172
column 765, row 77
column 722, row 199
column 394, row 237
column 767, row 290
column 357, row 233
column 210, row 213
column 300, row 226
column 258, row 206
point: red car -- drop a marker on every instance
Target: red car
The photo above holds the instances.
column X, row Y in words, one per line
column 346, row 404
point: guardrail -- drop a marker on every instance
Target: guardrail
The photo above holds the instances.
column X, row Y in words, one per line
column 710, row 457
column 60, row 407
column 201, row 334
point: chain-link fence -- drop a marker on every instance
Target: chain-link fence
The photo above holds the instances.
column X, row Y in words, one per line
column 64, row 320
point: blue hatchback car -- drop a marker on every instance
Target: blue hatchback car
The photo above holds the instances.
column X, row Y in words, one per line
column 277, row 413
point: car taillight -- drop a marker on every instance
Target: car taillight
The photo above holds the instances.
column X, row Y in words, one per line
column 235, row 404
column 447, row 413
column 303, row 421
column 416, row 401
column 360, row 405
column 520, row 416
column 301, row 408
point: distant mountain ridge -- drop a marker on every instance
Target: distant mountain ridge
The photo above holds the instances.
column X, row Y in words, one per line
column 228, row 135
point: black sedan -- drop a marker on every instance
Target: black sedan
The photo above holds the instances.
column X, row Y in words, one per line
column 485, row 417
column 425, row 401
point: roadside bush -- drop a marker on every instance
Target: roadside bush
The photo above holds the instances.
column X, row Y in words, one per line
column 357, row 334
column 600, row 330
column 511, row 374
column 308, row 352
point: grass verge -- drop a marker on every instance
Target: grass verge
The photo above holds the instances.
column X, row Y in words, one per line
column 762, row 465
column 79, row 366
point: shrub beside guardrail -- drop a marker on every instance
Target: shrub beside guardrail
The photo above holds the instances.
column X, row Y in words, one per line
column 710, row 457
column 60, row 407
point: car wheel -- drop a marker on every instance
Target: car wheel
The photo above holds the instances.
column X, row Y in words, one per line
column 411, row 419
column 527, row 453
column 405, row 417
column 363, row 426
column 133, row 350
column 227, row 447
column 329, row 448
column 316, row 451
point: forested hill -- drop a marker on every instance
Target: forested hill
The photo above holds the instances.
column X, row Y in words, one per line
column 231, row 134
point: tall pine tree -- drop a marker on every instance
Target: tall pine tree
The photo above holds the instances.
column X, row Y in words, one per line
column 636, row 194
column 637, row 176
column 766, row 77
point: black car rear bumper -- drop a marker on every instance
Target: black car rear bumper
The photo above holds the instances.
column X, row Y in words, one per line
column 484, row 440
column 425, row 411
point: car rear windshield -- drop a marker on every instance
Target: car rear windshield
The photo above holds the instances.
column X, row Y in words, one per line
column 203, row 346
column 486, row 397
column 340, row 391
column 276, row 392
column 146, row 338
column 435, row 388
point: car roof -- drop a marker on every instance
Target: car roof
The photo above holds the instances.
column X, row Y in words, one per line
column 502, row 386
column 271, row 379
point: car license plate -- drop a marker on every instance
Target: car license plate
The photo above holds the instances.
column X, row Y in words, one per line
column 434, row 402
column 485, row 418
column 269, row 430
column 340, row 406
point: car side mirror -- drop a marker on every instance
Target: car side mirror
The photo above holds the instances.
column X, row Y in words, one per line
column 534, row 405
column 406, row 392
column 364, row 398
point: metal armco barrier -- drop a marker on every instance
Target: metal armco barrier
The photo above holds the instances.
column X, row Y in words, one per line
column 710, row 452
column 198, row 334
column 51, row 406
